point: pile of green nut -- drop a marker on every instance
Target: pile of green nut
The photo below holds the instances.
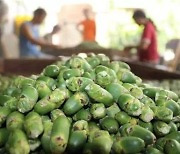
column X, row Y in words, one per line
column 5, row 81
column 88, row 105
column 173, row 85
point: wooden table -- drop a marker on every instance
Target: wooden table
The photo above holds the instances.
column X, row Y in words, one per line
column 35, row 66
column 24, row 66
column 70, row 51
column 146, row 71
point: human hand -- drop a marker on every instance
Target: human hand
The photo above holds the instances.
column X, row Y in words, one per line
column 128, row 48
column 126, row 51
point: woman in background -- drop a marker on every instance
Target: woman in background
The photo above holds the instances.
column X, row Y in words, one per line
column 147, row 49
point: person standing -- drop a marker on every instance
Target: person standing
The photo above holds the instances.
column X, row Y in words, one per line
column 89, row 26
column 147, row 49
column 29, row 39
column 3, row 20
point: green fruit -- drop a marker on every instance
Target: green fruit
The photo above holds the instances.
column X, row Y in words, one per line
column 60, row 135
column 130, row 104
column 128, row 145
column 98, row 111
column 109, row 124
column 160, row 143
column 15, row 120
column 172, row 147
column 17, row 143
column 76, row 141
column 122, row 118
column 115, row 89
column 75, row 103
column 4, row 133
column 51, row 71
column 151, row 150
column 77, row 83
column 112, row 110
column 144, row 134
column 146, row 125
column 161, row 128
column 99, row 94
column 163, row 114
column 33, row 125
column 174, row 135
column 83, row 114
column 100, row 142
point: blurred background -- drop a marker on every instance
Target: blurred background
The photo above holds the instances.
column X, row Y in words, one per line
column 115, row 27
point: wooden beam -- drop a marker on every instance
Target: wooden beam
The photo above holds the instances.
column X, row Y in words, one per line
column 35, row 66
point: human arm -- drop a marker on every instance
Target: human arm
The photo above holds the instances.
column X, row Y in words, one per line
column 143, row 45
column 128, row 48
column 25, row 30
column 80, row 27
column 146, row 38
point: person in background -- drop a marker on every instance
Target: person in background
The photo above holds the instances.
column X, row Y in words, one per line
column 147, row 49
column 89, row 27
column 29, row 39
column 3, row 20
column 49, row 37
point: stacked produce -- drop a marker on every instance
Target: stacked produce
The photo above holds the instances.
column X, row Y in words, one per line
column 88, row 105
column 5, row 82
column 173, row 85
